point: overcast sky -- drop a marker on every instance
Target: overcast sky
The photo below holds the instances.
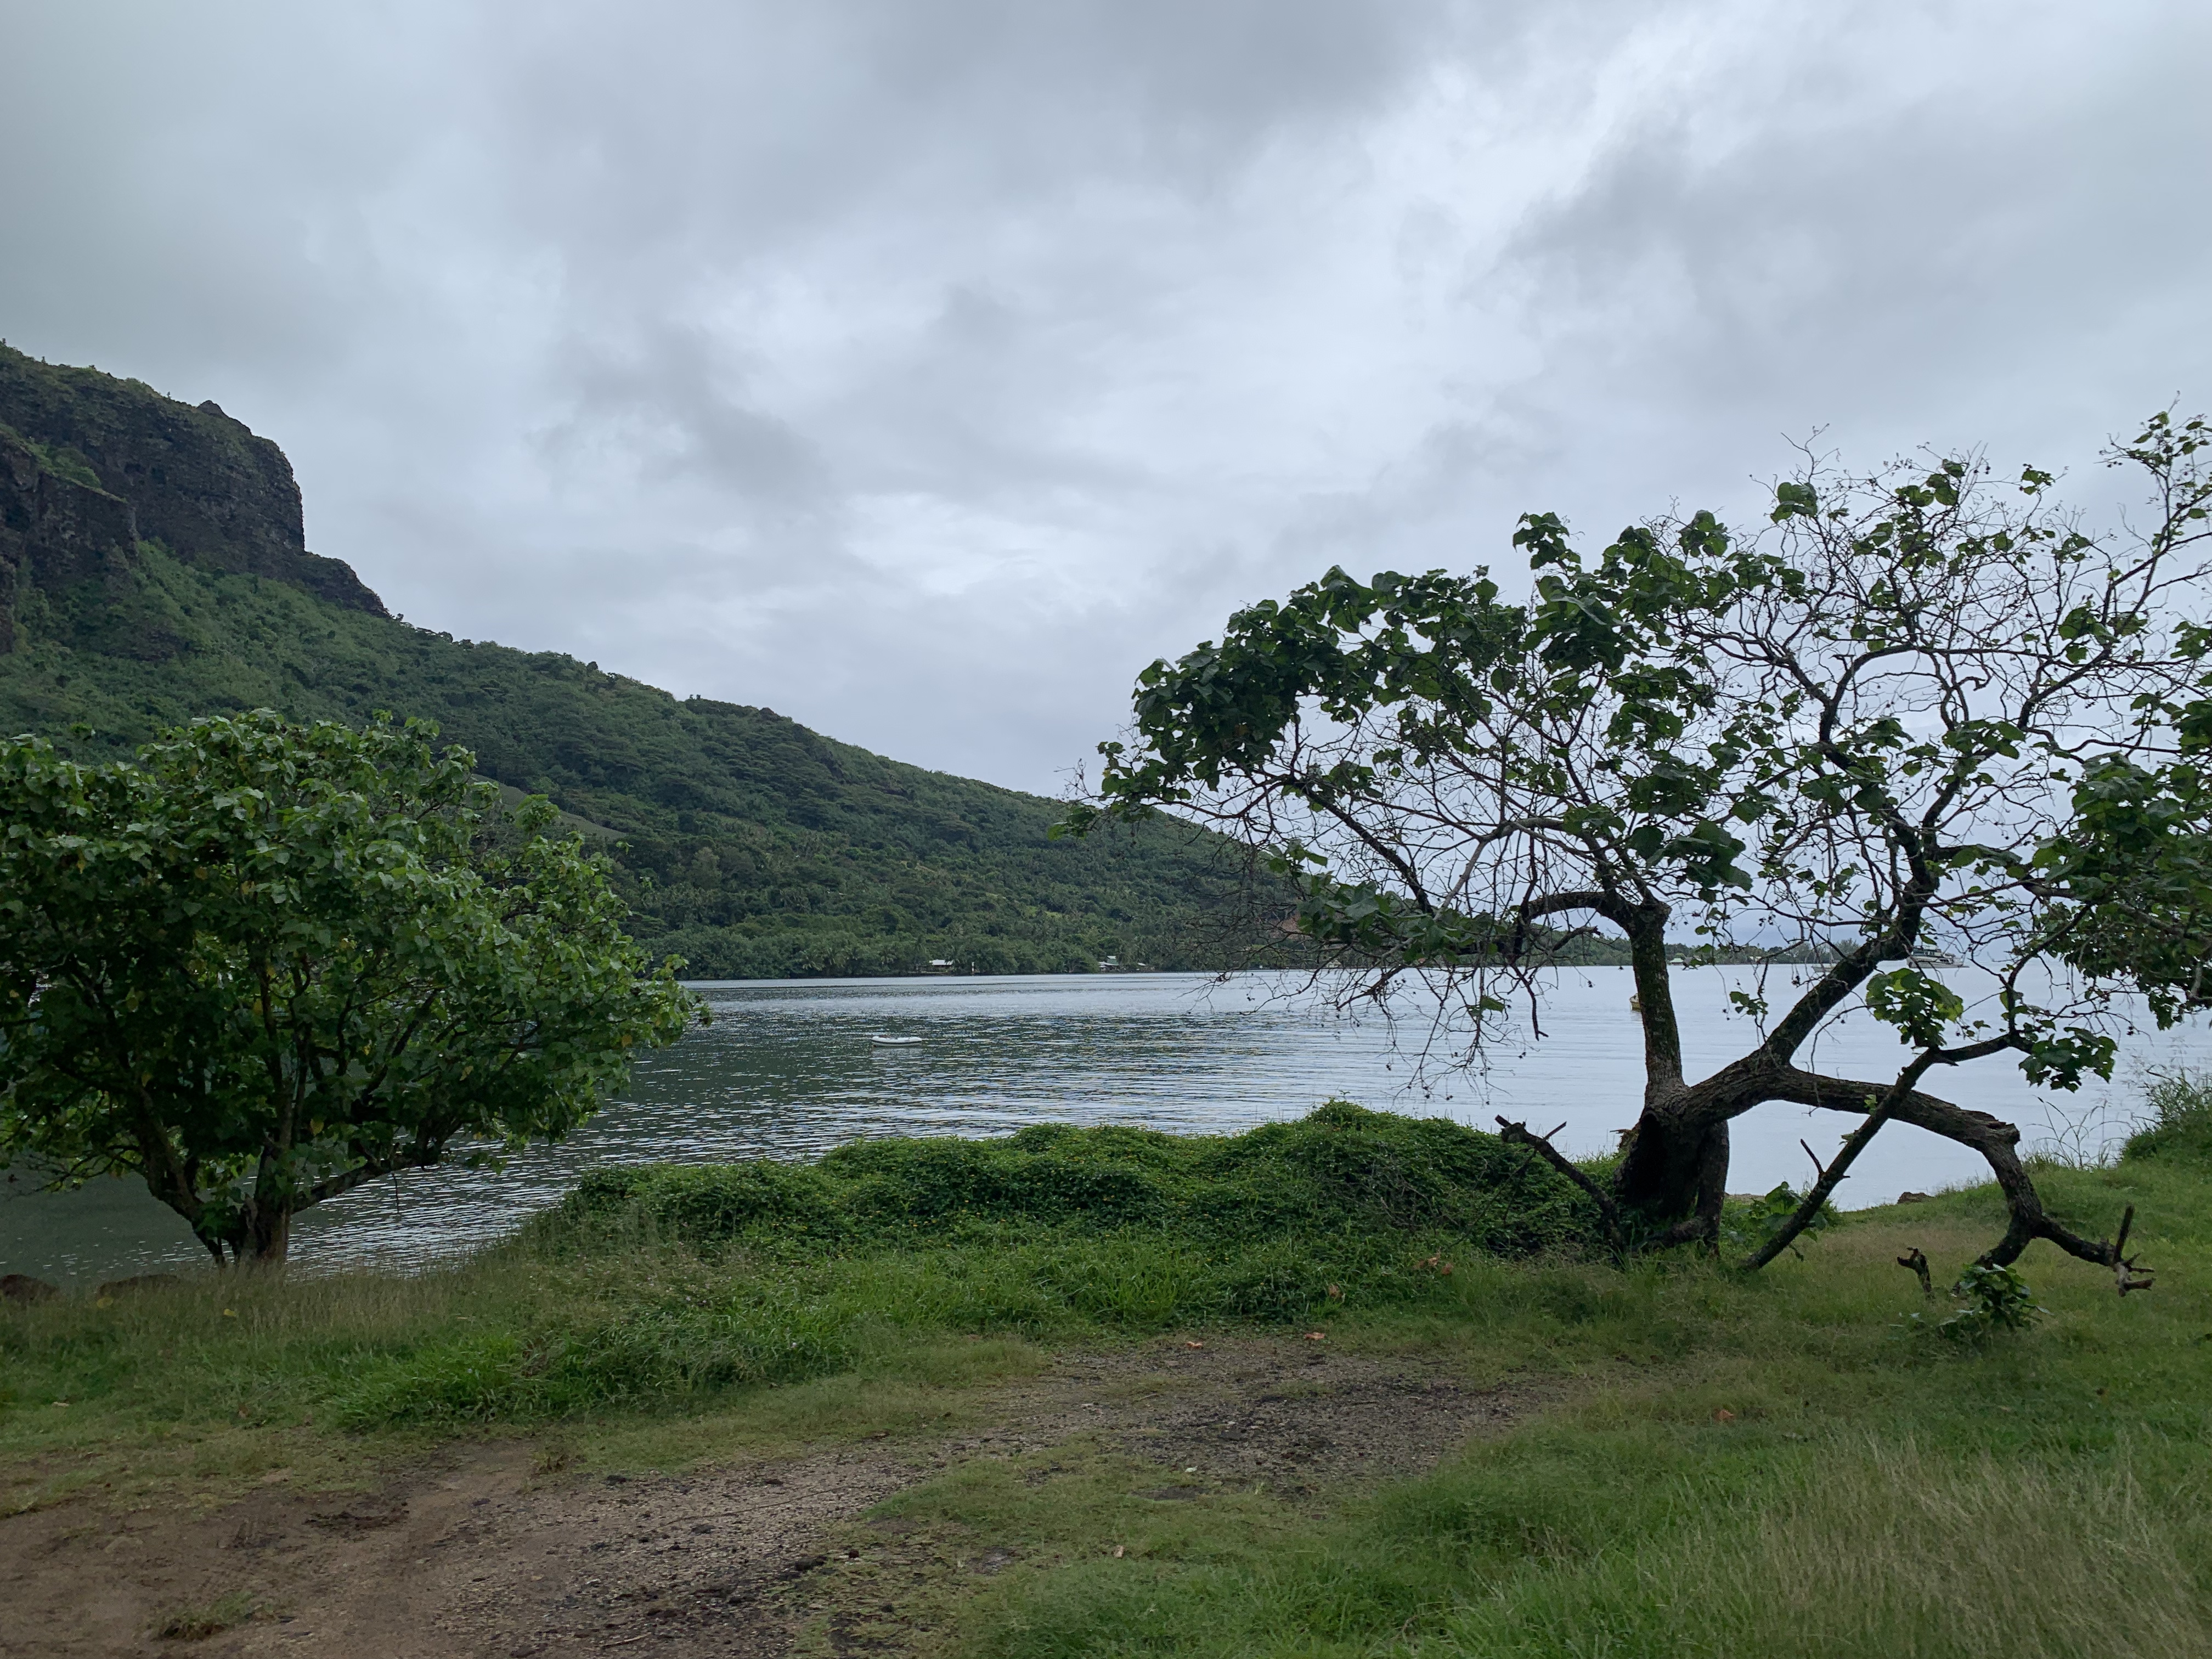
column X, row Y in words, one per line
column 922, row 369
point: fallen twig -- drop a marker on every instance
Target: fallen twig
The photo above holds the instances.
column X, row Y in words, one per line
column 2124, row 1265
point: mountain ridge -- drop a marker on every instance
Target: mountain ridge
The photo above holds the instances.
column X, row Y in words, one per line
column 750, row 844
column 201, row 482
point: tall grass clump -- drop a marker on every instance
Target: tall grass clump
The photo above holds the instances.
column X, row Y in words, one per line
column 2178, row 1124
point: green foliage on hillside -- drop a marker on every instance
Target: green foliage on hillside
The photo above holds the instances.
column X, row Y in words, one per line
column 65, row 461
column 753, row 846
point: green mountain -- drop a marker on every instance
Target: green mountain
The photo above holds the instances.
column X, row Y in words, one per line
column 153, row 566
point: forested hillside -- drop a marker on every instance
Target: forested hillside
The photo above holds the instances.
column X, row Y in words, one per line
column 748, row 844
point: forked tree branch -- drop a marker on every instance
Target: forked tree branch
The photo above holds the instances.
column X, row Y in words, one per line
column 1830, row 1178
column 1995, row 1140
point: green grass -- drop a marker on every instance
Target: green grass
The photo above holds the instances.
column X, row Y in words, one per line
column 1777, row 1466
column 656, row 1293
column 198, row 1622
column 198, row 1392
column 1711, row 1465
column 1635, row 1540
column 1780, row 1465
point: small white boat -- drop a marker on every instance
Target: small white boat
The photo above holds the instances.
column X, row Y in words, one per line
column 1933, row 959
column 893, row 1042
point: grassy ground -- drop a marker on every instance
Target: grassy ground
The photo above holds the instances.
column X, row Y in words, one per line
column 1766, row 1468
column 1784, row 1464
column 740, row 1294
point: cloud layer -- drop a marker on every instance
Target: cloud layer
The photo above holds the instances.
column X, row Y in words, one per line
column 922, row 370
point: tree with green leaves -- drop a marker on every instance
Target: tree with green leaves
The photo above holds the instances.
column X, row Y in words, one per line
column 266, row 963
column 1918, row 712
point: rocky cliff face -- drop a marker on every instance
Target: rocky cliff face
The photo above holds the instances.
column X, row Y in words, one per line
column 54, row 529
column 89, row 464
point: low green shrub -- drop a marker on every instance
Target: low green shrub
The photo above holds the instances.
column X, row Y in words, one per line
column 1746, row 1224
column 1987, row 1299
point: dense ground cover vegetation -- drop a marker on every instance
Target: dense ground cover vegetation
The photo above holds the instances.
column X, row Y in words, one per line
column 663, row 1286
column 1342, row 1186
column 1727, row 1464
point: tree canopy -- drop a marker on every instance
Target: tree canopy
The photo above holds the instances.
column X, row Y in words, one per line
column 1924, row 710
column 265, row 962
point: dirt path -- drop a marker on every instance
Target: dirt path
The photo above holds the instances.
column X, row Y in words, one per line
column 472, row 1555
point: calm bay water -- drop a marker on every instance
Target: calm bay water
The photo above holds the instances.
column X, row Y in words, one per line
column 788, row 1069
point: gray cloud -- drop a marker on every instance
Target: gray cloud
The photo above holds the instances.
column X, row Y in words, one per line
column 922, row 370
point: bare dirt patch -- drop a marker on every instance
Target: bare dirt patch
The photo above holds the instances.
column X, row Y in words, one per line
column 475, row 1555
column 1286, row 1415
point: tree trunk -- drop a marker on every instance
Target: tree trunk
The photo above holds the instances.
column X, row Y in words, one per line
column 1674, row 1173
column 269, row 1237
column 1673, row 1168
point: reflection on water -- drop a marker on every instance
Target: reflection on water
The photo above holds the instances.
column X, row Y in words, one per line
column 789, row 1068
